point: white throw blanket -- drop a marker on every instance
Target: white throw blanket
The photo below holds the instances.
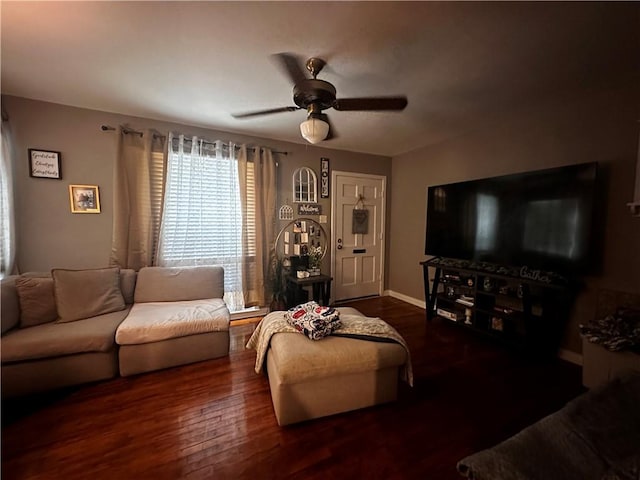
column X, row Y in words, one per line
column 355, row 326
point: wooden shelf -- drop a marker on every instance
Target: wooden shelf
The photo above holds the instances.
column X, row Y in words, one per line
column 515, row 311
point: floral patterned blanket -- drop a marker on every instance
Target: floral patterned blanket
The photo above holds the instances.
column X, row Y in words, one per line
column 620, row 331
column 353, row 326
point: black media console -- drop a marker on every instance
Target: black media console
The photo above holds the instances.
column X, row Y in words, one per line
column 519, row 307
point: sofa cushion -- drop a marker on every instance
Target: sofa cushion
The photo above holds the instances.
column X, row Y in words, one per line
column 128, row 284
column 628, row 469
column 87, row 293
column 299, row 359
column 155, row 321
column 37, row 302
column 174, row 284
column 10, row 303
column 56, row 339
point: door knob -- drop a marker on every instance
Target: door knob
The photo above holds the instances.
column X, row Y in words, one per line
column 339, row 247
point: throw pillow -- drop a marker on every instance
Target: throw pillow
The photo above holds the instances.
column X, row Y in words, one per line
column 37, row 303
column 87, row 293
column 312, row 320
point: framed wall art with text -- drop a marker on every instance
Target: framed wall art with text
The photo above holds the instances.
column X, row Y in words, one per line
column 44, row 164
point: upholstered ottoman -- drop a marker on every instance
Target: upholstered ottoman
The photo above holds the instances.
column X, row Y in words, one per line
column 178, row 317
column 311, row 379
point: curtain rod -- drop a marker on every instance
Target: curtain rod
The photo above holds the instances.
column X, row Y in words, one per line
column 127, row 131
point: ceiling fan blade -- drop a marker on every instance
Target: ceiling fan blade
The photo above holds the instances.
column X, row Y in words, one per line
column 264, row 112
column 332, row 131
column 370, row 103
column 291, row 66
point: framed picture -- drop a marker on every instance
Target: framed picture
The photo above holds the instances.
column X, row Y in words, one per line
column 44, row 164
column 497, row 324
column 84, row 198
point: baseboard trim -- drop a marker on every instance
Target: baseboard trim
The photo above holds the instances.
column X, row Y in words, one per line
column 405, row 298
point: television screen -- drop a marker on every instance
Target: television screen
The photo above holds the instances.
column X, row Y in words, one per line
column 541, row 219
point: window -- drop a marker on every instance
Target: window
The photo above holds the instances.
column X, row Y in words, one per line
column 203, row 212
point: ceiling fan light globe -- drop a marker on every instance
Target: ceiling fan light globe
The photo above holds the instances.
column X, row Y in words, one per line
column 314, row 130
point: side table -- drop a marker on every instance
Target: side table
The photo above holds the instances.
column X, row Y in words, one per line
column 320, row 286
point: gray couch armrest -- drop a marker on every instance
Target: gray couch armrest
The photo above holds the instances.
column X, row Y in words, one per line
column 593, row 433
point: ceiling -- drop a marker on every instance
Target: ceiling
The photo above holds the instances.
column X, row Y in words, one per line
column 196, row 63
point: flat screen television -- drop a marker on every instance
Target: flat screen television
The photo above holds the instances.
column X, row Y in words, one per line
column 541, row 219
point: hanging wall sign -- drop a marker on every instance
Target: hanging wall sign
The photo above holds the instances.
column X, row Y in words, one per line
column 360, row 222
column 44, row 164
column 309, row 209
column 324, row 177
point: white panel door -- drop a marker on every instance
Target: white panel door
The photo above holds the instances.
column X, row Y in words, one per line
column 358, row 258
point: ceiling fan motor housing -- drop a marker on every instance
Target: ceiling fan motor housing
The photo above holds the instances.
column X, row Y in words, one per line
column 314, row 91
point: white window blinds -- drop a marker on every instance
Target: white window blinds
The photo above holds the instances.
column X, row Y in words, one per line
column 202, row 212
column 157, row 175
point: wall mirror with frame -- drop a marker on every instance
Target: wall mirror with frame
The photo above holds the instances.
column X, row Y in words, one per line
column 305, row 186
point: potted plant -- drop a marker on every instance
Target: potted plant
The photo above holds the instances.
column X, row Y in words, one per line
column 277, row 284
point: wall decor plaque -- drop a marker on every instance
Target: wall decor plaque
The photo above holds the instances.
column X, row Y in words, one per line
column 360, row 222
column 309, row 209
column 44, row 164
column 324, row 177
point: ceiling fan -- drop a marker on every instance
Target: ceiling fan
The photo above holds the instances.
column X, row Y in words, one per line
column 315, row 95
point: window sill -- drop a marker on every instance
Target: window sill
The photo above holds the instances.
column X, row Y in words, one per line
column 248, row 313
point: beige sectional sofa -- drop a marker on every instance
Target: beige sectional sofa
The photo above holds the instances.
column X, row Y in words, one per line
column 60, row 329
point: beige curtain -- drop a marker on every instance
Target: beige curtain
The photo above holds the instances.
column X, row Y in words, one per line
column 259, row 216
column 7, row 219
column 137, row 198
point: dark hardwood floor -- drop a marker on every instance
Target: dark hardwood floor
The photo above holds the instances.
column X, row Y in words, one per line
column 215, row 420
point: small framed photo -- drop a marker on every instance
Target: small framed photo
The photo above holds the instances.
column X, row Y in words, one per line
column 44, row 164
column 497, row 324
column 84, row 198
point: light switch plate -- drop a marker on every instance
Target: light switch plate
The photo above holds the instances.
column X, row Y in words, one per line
column 322, row 219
